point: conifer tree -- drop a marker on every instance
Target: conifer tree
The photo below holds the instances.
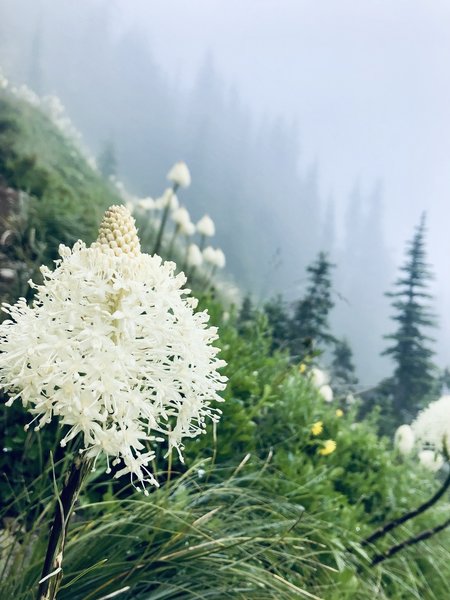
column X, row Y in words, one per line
column 246, row 314
column 413, row 379
column 279, row 322
column 342, row 367
column 310, row 329
column 107, row 162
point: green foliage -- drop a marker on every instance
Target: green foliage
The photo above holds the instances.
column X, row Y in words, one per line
column 413, row 380
column 61, row 198
column 279, row 321
column 342, row 367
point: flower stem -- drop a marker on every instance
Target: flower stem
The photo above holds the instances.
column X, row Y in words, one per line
column 423, row 535
column 164, row 221
column 51, row 575
column 381, row 531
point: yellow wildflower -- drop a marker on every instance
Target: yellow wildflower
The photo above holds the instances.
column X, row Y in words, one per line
column 339, row 412
column 328, row 448
column 317, row 428
column 302, row 368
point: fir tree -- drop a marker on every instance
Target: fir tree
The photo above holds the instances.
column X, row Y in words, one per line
column 279, row 322
column 413, row 378
column 310, row 329
column 246, row 315
column 342, row 367
column 107, row 162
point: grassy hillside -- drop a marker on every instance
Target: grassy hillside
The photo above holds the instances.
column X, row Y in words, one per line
column 265, row 508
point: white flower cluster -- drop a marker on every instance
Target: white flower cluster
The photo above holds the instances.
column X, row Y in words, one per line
column 113, row 348
column 196, row 254
column 214, row 256
column 429, row 435
column 432, row 425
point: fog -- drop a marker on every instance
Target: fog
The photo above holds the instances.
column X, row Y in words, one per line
column 306, row 125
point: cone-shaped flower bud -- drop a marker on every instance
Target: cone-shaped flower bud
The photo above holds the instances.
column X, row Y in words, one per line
column 117, row 233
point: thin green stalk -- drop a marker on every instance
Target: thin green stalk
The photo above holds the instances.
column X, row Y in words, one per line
column 51, row 575
column 158, row 242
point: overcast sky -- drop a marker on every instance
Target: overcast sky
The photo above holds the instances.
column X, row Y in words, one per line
column 368, row 82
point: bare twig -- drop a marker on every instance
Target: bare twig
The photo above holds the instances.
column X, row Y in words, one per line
column 423, row 535
column 381, row 531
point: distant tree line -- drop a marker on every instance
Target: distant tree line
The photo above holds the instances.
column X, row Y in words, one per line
column 303, row 329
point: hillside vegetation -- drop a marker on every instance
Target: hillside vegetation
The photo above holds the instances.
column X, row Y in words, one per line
column 274, row 502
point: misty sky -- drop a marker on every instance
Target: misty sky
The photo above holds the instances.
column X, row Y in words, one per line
column 367, row 82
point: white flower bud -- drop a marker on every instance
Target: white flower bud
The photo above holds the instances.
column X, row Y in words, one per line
column 326, row 393
column 404, row 439
column 214, row 257
column 318, row 377
column 167, row 199
column 117, row 232
column 7, row 273
column 209, row 255
column 206, row 226
column 220, row 259
column 147, row 203
column 194, row 256
column 181, row 216
column 180, row 175
column 187, row 228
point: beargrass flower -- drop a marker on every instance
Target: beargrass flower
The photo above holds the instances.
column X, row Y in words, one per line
column 206, row 226
column 187, row 228
column 194, row 256
column 214, row 256
column 318, row 377
column 169, row 200
column 317, row 428
column 404, row 439
column 112, row 347
column 147, row 203
column 181, row 216
column 220, row 259
column 179, row 175
column 431, row 460
column 432, row 425
column 328, row 448
column 326, row 392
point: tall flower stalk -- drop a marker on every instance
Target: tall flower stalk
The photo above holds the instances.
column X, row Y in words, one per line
column 165, row 216
column 51, row 575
